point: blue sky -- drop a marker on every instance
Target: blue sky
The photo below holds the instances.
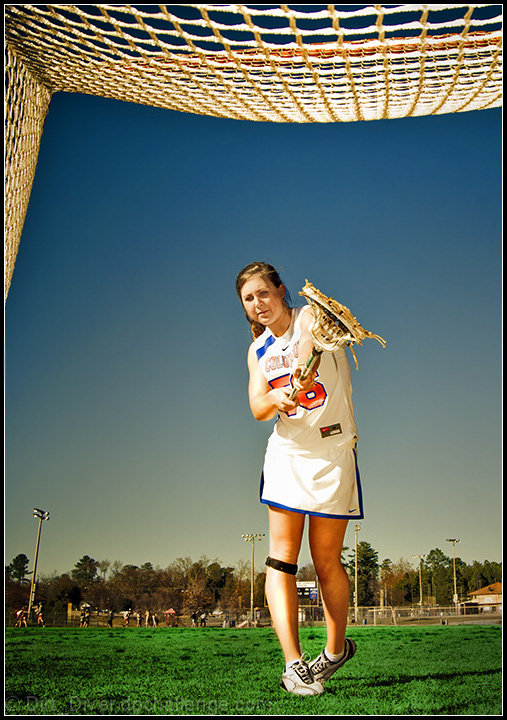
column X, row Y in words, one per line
column 125, row 346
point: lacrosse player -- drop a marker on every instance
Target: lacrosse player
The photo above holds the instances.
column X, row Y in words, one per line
column 309, row 469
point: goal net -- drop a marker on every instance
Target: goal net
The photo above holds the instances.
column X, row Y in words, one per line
column 284, row 63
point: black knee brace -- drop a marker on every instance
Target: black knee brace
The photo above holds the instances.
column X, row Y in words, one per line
column 282, row 566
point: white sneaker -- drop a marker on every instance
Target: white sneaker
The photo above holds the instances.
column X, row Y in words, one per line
column 322, row 668
column 298, row 679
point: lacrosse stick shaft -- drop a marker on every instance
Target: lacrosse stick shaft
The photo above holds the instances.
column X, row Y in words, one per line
column 309, row 365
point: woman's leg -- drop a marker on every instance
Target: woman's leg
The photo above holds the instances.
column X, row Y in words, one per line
column 326, row 542
column 285, row 533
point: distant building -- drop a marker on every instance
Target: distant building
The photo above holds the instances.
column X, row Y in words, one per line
column 489, row 598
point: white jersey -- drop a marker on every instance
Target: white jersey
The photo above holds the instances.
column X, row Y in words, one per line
column 325, row 416
column 310, row 465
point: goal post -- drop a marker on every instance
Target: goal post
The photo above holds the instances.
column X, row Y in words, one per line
column 26, row 105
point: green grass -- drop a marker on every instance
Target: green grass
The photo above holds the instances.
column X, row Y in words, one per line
column 206, row 671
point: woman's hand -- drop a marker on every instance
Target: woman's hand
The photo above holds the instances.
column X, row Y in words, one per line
column 279, row 397
column 303, row 385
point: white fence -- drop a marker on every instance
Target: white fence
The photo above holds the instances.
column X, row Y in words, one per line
column 403, row 615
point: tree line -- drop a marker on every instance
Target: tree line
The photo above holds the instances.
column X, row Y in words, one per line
column 187, row 585
column 399, row 583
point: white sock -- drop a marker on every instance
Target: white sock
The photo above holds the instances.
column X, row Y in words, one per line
column 332, row 657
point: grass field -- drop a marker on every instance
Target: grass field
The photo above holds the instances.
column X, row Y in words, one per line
column 451, row 670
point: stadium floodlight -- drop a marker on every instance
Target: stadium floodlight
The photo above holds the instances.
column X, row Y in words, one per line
column 454, row 541
column 41, row 515
column 421, row 557
column 252, row 537
column 357, row 528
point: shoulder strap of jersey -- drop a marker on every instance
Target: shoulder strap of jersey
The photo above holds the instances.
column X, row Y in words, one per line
column 262, row 343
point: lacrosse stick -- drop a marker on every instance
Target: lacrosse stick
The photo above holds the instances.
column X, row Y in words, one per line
column 333, row 327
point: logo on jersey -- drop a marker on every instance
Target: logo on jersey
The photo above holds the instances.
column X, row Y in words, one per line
column 279, row 362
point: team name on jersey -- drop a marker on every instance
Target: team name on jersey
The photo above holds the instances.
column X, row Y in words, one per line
column 277, row 362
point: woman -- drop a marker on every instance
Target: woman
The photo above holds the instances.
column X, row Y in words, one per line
column 309, row 469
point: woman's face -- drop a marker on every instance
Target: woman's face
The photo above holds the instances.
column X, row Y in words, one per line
column 263, row 302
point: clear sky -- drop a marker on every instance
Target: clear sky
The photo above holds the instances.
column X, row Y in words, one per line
column 125, row 345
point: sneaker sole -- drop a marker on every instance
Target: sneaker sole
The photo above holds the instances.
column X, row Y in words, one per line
column 303, row 694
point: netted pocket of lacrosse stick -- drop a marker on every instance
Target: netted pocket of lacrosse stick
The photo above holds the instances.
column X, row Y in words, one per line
column 328, row 333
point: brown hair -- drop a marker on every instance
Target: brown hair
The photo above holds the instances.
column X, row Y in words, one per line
column 268, row 272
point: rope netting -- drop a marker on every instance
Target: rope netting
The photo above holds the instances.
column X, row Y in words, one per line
column 277, row 63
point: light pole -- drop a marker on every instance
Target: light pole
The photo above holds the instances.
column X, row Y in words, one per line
column 357, row 528
column 252, row 537
column 420, row 578
column 42, row 515
column 454, row 541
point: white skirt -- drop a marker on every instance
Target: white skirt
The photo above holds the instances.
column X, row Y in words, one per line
column 324, row 482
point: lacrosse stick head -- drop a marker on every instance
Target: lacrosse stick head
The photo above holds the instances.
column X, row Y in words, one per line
column 333, row 325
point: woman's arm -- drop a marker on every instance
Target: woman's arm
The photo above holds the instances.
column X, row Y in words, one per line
column 305, row 350
column 265, row 402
